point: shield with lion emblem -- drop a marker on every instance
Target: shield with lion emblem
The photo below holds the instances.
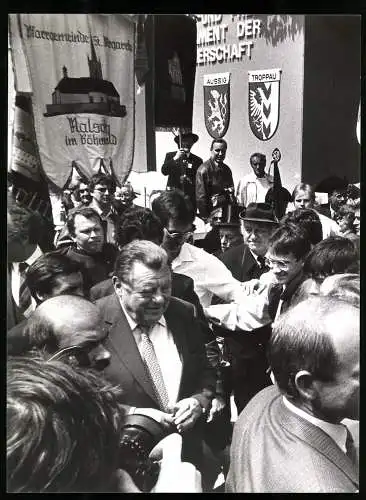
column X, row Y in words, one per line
column 216, row 88
column 264, row 102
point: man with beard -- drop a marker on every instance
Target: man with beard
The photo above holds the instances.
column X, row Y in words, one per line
column 253, row 187
column 293, row 431
column 214, row 181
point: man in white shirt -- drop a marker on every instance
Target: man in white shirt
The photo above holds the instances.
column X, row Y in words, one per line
column 303, row 196
column 209, row 274
column 292, row 431
column 157, row 347
column 253, row 187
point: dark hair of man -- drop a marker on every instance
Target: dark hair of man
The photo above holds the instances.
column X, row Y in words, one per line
column 260, row 156
column 290, row 238
column 347, row 213
column 300, row 341
column 353, row 192
column 146, row 252
column 24, row 224
column 218, row 141
column 101, row 179
column 175, row 206
column 344, row 287
column 302, row 187
column 138, row 223
column 333, row 255
column 41, row 275
column 87, row 212
column 309, row 220
column 62, row 428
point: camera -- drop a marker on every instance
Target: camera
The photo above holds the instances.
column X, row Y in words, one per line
column 139, row 435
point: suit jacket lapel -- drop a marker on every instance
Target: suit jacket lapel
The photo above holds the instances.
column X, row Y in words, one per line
column 124, row 346
column 176, row 329
column 318, row 439
column 248, row 264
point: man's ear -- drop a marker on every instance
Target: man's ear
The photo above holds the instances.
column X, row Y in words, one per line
column 117, row 284
column 304, row 383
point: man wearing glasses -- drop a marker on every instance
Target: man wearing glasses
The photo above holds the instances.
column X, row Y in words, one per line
column 265, row 299
column 101, row 190
column 209, row 274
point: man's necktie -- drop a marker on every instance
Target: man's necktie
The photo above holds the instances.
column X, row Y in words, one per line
column 351, row 449
column 151, row 362
column 274, row 298
column 262, row 263
column 25, row 299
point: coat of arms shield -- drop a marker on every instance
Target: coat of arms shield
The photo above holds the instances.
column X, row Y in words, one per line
column 216, row 88
column 264, row 102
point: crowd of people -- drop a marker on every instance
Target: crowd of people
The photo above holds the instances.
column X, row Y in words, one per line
column 133, row 343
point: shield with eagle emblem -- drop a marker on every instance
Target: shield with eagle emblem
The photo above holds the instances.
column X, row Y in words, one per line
column 264, row 102
column 216, row 88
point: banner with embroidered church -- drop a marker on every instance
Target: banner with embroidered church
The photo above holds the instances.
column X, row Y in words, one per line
column 81, row 72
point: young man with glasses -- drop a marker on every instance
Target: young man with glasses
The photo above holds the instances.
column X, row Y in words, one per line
column 265, row 299
column 209, row 274
column 101, row 190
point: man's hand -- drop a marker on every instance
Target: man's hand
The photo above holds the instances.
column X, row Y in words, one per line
column 252, row 286
column 186, row 412
column 218, row 404
column 181, row 154
column 165, row 419
column 175, row 476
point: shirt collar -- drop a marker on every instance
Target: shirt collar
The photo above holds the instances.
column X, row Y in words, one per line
column 337, row 432
column 132, row 323
column 185, row 255
column 32, row 258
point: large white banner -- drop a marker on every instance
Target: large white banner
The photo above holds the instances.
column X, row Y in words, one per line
column 81, row 73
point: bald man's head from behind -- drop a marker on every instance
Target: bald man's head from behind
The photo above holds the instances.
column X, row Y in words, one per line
column 70, row 328
column 314, row 354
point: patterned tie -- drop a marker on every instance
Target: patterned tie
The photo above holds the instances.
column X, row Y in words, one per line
column 25, row 299
column 351, row 449
column 152, row 364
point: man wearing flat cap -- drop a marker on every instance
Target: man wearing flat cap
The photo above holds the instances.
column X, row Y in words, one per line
column 181, row 166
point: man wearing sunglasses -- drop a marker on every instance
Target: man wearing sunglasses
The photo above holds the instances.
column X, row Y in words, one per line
column 70, row 328
column 209, row 274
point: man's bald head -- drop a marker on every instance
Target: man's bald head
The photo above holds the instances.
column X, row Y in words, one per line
column 317, row 338
column 64, row 321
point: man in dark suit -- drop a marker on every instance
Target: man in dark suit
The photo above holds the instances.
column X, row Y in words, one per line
column 292, row 431
column 246, row 261
column 181, row 166
column 50, row 275
column 157, row 347
column 336, row 188
column 23, row 229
